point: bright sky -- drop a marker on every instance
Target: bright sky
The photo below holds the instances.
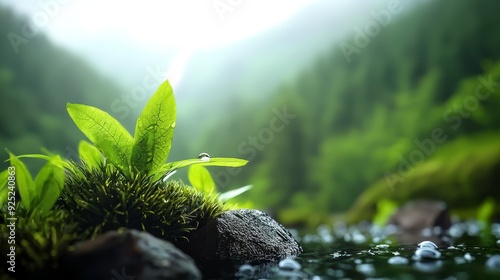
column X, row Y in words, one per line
column 160, row 23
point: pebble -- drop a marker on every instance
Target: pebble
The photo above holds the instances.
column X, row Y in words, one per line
column 289, row 264
column 398, row 260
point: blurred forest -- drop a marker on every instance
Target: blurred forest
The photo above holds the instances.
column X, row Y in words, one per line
column 35, row 85
column 355, row 124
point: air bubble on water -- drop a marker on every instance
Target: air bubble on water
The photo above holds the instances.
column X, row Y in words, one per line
column 289, row 264
column 468, row 257
column 367, row 269
column 398, row 260
column 427, row 244
column 204, row 157
column 493, row 262
column 245, row 270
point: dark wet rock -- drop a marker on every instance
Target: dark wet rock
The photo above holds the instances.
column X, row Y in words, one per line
column 421, row 214
column 130, row 254
column 241, row 236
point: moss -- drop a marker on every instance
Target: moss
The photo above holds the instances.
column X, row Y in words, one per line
column 462, row 173
column 40, row 240
column 102, row 199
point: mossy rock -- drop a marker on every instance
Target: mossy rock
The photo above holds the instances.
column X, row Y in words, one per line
column 103, row 199
column 462, row 173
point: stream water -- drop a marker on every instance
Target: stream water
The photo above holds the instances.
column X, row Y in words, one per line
column 466, row 251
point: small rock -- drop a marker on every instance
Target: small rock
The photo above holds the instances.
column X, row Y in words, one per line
column 130, row 254
column 417, row 215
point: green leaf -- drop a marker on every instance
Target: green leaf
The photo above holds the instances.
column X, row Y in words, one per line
column 234, row 193
column 49, row 183
column 4, row 177
column 89, row 154
column 228, row 162
column 154, row 131
column 61, row 162
column 105, row 132
column 25, row 184
column 200, row 179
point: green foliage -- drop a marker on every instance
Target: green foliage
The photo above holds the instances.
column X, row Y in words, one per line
column 89, row 154
column 200, row 179
column 462, row 179
column 147, row 151
column 385, row 209
column 107, row 134
column 154, row 131
column 486, row 210
column 39, row 194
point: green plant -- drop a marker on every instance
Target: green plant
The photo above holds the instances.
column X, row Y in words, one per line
column 146, row 152
column 131, row 189
column 39, row 194
column 200, row 178
column 120, row 181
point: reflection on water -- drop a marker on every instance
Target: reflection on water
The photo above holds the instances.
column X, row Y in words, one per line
column 466, row 251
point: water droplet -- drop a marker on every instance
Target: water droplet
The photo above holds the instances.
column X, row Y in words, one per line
column 427, row 244
column 204, row 156
column 172, row 125
column 289, row 264
column 426, row 254
column 398, row 260
column 493, row 262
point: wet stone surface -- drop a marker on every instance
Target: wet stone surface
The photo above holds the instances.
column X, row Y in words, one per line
column 465, row 251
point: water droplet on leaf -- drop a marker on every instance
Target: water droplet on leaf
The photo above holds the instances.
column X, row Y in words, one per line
column 204, row 156
column 172, row 125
